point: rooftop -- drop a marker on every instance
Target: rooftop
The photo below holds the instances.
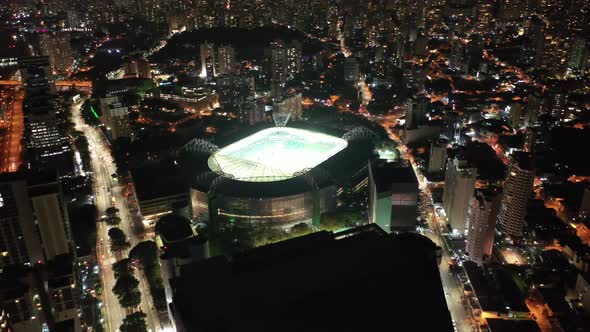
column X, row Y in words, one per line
column 275, row 154
column 380, row 280
column 158, row 180
column 388, row 174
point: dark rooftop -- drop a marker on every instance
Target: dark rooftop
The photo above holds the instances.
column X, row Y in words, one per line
column 524, row 160
column 173, row 228
column 156, row 181
column 387, row 174
column 494, row 288
column 358, row 280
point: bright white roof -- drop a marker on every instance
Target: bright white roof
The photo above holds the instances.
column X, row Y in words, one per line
column 275, row 154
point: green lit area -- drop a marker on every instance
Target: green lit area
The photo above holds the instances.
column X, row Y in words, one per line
column 93, row 112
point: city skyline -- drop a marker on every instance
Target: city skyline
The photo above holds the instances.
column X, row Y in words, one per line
column 147, row 143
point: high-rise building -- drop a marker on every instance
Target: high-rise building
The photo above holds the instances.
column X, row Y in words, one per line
column 474, row 54
column 115, row 117
column 45, row 140
column 50, row 214
column 393, row 197
column 20, row 303
column 483, row 211
column 41, row 298
column 36, row 73
column 36, row 225
column 416, row 111
column 578, row 57
column 117, row 121
column 284, row 60
column 460, row 180
column 19, row 243
column 217, row 60
column 351, row 70
column 226, row 60
column 207, row 55
column 137, row 68
column 518, row 188
column 438, row 156
column 538, row 35
column 287, row 108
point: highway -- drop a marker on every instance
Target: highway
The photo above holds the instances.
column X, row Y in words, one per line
column 108, row 193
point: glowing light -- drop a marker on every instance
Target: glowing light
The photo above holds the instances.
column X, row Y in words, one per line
column 275, row 154
column 93, row 112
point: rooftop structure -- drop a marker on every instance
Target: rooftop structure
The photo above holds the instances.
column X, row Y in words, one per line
column 384, row 281
column 275, row 154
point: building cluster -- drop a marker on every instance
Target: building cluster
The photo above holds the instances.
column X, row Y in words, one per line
column 39, row 287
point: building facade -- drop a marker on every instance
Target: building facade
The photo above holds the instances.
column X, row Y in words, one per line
column 459, row 185
column 483, row 211
column 518, row 188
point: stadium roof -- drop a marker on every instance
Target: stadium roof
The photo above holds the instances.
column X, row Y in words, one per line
column 275, row 154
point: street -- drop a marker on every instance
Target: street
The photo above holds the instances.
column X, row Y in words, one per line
column 453, row 292
column 12, row 126
column 107, row 193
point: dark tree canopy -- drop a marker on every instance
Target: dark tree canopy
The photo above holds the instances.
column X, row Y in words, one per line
column 134, row 322
column 112, row 212
column 118, row 239
column 145, row 252
column 122, row 267
column 126, row 290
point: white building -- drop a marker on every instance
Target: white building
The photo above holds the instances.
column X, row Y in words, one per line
column 459, row 185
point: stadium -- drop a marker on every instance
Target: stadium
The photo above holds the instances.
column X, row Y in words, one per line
column 275, row 154
column 277, row 176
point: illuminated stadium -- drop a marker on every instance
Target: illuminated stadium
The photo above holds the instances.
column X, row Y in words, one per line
column 275, row 154
column 277, row 176
column 273, row 177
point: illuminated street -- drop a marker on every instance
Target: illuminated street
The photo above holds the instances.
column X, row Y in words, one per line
column 106, row 190
column 453, row 292
column 12, row 127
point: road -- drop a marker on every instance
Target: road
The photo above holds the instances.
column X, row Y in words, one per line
column 453, row 292
column 108, row 193
column 12, row 125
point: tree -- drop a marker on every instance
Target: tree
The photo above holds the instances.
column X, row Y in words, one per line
column 130, row 299
column 125, row 283
column 333, row 221
column 145, row 252
column 113, row 221
column 122, row 267
column 118, row 239
column 126, row 290
column 300, row 229
column 134, row 322
column 112, row 212
column 90, row 113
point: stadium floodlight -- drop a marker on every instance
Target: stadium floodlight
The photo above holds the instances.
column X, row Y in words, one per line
column 274, row 154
